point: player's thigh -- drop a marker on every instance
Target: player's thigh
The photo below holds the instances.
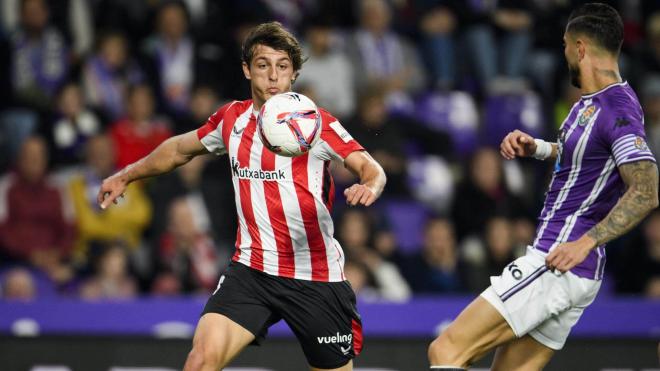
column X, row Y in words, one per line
column 346, row 367
column 477, row 329
column 523, row 354
column 219, row 339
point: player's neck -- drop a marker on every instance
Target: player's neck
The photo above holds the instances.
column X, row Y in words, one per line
column 600, row 76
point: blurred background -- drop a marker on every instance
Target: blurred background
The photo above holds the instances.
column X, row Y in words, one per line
column 429, row 87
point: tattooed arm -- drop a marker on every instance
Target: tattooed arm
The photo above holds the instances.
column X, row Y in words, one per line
column 641, row 197
column 641, row 178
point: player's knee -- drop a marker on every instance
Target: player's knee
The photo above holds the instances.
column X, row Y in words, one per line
column 203, row 358
column 444, row 350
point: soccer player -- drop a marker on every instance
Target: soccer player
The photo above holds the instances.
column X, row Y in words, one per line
column 605, row 182
column 287, row 264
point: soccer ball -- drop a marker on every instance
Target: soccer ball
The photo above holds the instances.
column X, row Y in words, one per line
column 289, row 124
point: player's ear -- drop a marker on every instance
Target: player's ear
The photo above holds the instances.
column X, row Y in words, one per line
column 580, row 47
column 246, row 71
column 295, row 77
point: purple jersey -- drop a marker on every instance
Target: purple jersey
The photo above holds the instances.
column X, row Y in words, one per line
column 603, row 131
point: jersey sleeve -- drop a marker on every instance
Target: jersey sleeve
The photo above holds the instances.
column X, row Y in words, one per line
column 335, row 142
column 210, row 134
column 626, row 138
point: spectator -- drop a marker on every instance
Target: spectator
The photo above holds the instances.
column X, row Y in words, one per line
column 203, row 103
column 33, row 224
column 380, row 55
column 72, row 127
column 171, row 51
column 39, row 56
column 187, row 251
column 126, row 221
column 651, row 101
column 437, row 267
column 385, row 281
column 437, row 25
column 482, row 195
column 108, row 73
column 18, row 284
column 497, row 38
column 497, row 250
column 185, row 180
column 140, row 132
column 636, row 266
column 111, row 278
column 328, row 72
column 383, row 136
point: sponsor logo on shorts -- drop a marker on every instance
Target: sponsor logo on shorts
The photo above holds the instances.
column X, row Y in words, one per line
column 335, row 339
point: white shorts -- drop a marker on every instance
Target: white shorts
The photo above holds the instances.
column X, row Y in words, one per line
column 535, row 301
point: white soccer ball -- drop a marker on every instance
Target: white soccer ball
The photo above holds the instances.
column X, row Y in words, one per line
column 289, row 124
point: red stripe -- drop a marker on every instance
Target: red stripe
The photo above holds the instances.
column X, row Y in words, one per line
column 244, row 150
column 310, row 219
column 286, row 262
column 213, row 121
column 357, row 336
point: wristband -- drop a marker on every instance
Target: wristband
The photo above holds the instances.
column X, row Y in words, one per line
column 543, row 149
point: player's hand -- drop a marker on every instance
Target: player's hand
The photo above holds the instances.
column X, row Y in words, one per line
column 359, row 194
column 517, row 143
column 569, row 254
column 112, row 188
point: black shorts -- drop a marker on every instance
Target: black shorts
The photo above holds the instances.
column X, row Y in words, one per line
column 322, row 315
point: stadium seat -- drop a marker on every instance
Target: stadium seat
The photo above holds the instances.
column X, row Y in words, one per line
column 454, row 113
column 509, row 111
column 406, row 220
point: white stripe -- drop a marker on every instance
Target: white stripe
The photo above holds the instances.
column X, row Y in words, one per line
column 622, row 141
column 334, row 258
column 213, row 140
column 623, row 157
column 635, row 159
column 599, row 185
column 632, row 149
column 600, row 259
column 576, row 166
column 608, row 87
column 246, row 240
column 558, row 201
column 260, row 210
column 291, row 208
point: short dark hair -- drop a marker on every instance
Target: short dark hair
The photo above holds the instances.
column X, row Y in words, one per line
column 599, row 22
column 274, row 35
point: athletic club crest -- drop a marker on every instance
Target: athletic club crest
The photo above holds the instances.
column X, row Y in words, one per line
column 587, row 114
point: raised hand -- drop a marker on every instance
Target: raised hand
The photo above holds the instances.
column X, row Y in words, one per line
column 517, row 144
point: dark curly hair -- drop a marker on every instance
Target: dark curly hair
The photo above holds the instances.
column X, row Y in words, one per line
column 274, row 35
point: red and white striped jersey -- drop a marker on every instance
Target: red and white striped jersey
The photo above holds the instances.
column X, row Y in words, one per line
column 283, row 204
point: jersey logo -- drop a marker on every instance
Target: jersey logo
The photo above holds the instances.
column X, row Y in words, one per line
column 343, row 134
column 237, row 131
column 255, row 174
column 621, row 122
column 586, row 115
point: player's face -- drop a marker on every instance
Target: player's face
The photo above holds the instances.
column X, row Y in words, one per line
column 270, row 73
column 570, row 51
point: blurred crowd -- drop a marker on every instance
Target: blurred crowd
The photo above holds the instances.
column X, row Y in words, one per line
column 429, row 87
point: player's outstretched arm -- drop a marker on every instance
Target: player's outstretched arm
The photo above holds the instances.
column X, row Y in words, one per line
column 641, row 179
column 372, row 179
column 520, row 144
column 170, row 154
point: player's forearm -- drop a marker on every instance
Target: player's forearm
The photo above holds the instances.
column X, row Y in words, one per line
column 166, row 157
column 640, row 198
column 373, row 176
